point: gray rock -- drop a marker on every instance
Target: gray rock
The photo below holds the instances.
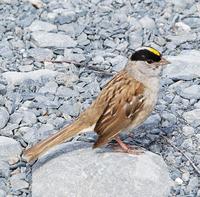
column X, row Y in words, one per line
column 193, row 184
column 4, row 117
column 26, row 68
column 147, row 22
column 68, row 17
column 197, row 105
column 9, row 148
column 50, row 87
column 4, row 169
column 40, row 54
column 3, row 89
column 192, row 92
column 29, row 117
column 179, row 39
column 152, row 120
column 2, row 193
column 30, row 135
column 44, row 131
column 68, row 29
column 192, row 117
column 17, row 77
column 184, row 66
column 76, row 57
column 118, row 62
column 188, row 131
column 18, row 183
column 70, row 109
column 43, row 39
column 66, row 92
column 16, row 118
column 38, row 25
column 85, row 168
column 135, row 40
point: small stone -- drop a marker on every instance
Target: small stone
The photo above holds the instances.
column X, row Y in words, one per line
column 2, row 193
column 17, row 183
column 50, row 87
column 4, row 117
column 185, row 176
column 68, row 17
column 192, row 117
column 26, row 68
column 45, row 130
column 191, row 92
column 68, row 29
column 44, row 39
column 38, row 25
column 193, row 183
column 184, row 66
column 9, row 148
column 182, row 27
column 4, row 169
column 66, row 92
column 178, row 181
column 29, row 117
column 76, row 57
column 188, row 131
column 70, row 109
column 147, row 22
column 30, row 135
column 3, row 89
column 40, row 54
column 118, row 62
column 153, row 120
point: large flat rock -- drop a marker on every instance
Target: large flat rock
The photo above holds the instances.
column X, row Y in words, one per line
column 77, row 170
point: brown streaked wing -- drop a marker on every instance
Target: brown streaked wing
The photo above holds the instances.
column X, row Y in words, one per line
column 121, row 109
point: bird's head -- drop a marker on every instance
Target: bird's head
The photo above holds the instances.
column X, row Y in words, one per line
column 150, row 56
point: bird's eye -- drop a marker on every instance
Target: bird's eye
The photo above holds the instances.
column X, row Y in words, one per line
column 149, row 61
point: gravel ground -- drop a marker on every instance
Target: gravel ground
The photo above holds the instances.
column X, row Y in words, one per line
column 98, row 35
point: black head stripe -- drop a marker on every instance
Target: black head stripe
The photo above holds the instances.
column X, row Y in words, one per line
column 145, row 55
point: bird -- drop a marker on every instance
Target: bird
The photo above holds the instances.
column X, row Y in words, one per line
column 123, row 104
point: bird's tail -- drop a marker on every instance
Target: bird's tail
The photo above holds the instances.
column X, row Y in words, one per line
column 35, row 151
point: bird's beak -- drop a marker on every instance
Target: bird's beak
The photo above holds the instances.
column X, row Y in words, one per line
column 163, row 61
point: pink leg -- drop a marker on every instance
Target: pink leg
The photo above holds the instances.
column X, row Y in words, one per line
column 125, row 147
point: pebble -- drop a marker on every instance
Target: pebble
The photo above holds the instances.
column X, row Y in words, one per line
column 192, row 117
column 4, row 117
column 17, row 183
column 9, row 148
column 44, row 39
column 29, row 118
column 50, row 87
column 38, row 25
column 191, row 92
column 178, row 181
column 2, row 193
column 188, row 131
column 40, row 54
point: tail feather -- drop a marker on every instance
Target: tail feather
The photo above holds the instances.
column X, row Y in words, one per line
column 34, row 152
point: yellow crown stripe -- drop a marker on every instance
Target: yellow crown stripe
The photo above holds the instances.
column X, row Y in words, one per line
column 154, row 51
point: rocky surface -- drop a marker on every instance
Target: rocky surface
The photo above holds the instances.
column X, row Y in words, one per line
column 82, row 171
column 39, row 96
